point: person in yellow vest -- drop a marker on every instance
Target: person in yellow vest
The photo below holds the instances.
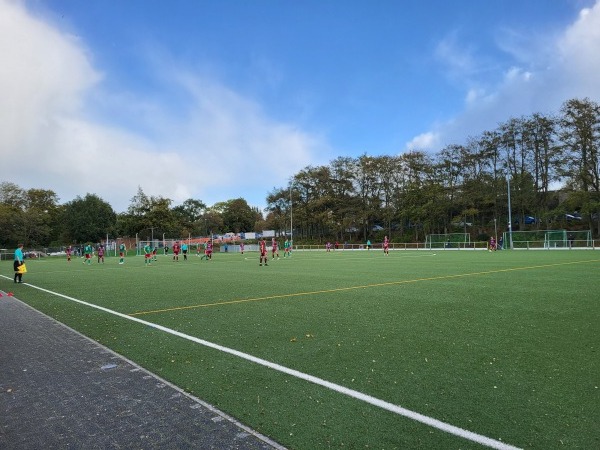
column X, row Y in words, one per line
column 18, row 263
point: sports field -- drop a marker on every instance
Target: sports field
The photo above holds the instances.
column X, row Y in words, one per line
column 353, row 349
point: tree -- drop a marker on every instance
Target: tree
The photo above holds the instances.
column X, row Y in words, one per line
column 13, row 201
column 42, row 222
column 12, row 195
column 88, row 219
column 278, row 209
column 190, row 213
column 11, row 223
column 368, row 189
column 190, row 210
column 580, row 132
column 152, row 216
column 238, row 216
column 31, row 216
column 213, row 221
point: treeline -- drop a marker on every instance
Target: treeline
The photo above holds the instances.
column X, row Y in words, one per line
column 550, row 162
column 36, row 218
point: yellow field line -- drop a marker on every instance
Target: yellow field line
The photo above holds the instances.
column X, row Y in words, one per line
column 365, row 286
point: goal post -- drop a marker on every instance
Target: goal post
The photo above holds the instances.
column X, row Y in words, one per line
column 447, row 240
column 550, row 239
column 580, row 239
column 555, row 239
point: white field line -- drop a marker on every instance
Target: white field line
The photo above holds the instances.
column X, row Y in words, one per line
column 451, row 429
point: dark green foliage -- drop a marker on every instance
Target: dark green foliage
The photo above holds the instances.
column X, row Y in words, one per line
column 88, row 219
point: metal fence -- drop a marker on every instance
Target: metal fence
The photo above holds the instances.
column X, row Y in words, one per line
column 582, row 244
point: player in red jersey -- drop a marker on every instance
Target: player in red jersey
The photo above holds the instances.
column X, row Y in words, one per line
column 274, row 248
column 101, row 254
column 176, row 249
column 209, row 250
column 69, row 251
column 263, row 252
column 386, row 246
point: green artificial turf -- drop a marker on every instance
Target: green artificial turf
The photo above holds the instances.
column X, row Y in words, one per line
column 502, row 344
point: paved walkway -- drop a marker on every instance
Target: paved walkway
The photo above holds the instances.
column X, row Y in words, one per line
column 59, row 389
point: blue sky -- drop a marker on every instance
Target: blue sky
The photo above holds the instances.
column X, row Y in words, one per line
column 217, row 100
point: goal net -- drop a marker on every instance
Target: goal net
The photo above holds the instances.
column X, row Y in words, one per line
column 548, row 239
column 448, row 240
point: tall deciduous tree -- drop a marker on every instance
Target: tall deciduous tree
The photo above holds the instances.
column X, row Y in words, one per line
column 581, row 136
column 42, row 222
column 238, row 216
column 89, row 219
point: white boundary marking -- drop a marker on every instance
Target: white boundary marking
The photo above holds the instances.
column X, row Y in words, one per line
column 438, row 424
column 195, row 399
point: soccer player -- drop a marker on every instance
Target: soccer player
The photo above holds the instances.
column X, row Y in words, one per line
column 69, row 251
column 154, row 250
column 147, row 255
column 274, row 248
column 242, row 247
column 184, row 249
column 263, row 252
column 88, row 254
column 492, row 245
column 122, row 252
column 328, row 247
column 176, row 251
column 101, row 254
column 286, row 248
column 386, row 246
column 209, row 250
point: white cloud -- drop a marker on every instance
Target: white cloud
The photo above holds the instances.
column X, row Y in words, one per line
column 424, row 141
column 43, row 75
column 216, row 142
column 565, row 65
column 457, row 57
column 577, row 50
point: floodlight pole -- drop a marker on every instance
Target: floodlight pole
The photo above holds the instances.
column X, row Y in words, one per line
column 510, row 236
column 152, row 234
column 496, row 232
